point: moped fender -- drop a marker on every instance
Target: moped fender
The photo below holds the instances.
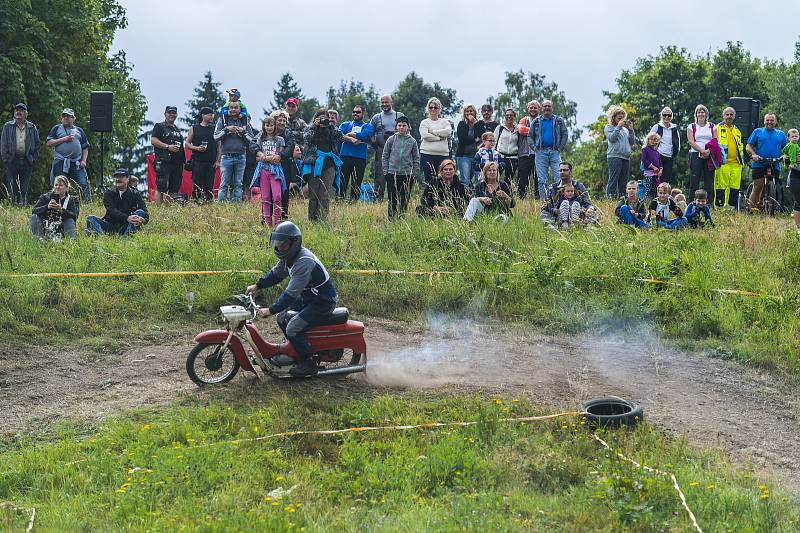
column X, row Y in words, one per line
column 220, row 336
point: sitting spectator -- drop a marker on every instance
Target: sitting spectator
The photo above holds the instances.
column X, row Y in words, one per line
column 55, row 212
column 679, row 198
column 551, row 210
column 698, row 214
column 487, row 153
column 630, row 210
column 664, row 211
column 400, row 161
column 651, row 163
column 491, row 195
column 444, row 195
column 126, row 211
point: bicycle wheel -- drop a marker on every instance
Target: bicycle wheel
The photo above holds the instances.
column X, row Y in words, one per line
column 770, row 202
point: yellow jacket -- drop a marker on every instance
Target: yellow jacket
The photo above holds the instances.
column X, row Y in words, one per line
column 722, row 135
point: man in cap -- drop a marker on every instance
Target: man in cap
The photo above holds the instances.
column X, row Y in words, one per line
column 168, row 143
column 19, row 145
column 126, row 211
column 296, row 124
column 71, row 151
column 200, row 140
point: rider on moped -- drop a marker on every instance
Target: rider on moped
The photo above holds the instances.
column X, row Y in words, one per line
column 310, row 291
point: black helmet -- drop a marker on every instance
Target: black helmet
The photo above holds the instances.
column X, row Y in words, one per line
column 283, row 233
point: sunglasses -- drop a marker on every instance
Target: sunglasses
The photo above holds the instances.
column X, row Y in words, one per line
column 356, row 112
column 666, row 114
column 433, row 107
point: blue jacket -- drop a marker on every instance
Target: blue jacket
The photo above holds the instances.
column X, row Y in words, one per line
column 560, row 134
column 309, row 283
column 352, row 150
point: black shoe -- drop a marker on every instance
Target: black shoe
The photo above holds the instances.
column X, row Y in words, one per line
column 304, row 369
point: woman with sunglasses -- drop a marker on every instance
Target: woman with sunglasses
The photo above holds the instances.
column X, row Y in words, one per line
column 668, row 147
column 435, row 133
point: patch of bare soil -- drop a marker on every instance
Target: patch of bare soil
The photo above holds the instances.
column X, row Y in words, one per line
column 749, row 413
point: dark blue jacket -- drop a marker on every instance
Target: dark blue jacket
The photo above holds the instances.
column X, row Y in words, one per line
column 309, row 282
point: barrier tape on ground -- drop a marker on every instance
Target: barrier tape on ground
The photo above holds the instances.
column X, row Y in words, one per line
column 430, row 274
column 660, row 473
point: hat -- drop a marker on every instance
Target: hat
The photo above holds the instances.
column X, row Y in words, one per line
column 234, row 92
column 21, row 106
column 68, row 111
column 121, row 171
column 171, row 109
column 292, row 100
column 205, row 110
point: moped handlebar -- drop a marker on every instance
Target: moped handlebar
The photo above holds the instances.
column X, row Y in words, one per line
column 249, row 302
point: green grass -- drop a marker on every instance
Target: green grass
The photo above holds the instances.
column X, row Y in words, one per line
column 570, row 281
column 174, row 470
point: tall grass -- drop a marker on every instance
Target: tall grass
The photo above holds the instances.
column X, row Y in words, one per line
column 563, row 280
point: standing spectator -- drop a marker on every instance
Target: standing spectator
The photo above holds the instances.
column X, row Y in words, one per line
column 168, row 143
column 507, row 143
column 791, row 154
column 126, row 211
column 700, row 132
column 487, row 118
column 321, row 163
column 491, row 195
column 55, row 212
column 383, row 124
column 290, row 169
column 434, row 132
column 399, row 164
column 763, row 142
column 445, row 195
column 547, row 138
column 357, row 135
column 728, row 178
column 234, row 134
column 526, row 169
column 468, row 133
column 668, row 147
column 71, row 152
column 269, row 172
column 295, row 124
column 652, row 164
column 620, row 139
column 200, row 140
column 19, row 144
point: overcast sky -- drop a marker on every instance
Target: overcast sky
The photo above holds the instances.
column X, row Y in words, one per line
column 466, row 44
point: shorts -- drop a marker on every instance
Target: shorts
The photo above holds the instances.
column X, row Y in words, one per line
column 168, row 177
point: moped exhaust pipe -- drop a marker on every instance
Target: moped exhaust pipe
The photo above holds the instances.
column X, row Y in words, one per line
column 343, row 370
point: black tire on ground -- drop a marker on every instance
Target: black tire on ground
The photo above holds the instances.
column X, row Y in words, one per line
column 603, row 412
column 770, row 201
column 206, row 365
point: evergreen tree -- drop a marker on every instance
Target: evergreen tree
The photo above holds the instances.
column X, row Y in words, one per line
column 207, row 93
column 286, row 88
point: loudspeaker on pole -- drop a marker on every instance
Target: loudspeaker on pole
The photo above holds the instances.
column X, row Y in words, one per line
column 101, row 111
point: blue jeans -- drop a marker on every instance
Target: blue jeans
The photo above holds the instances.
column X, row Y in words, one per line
column 628, row 217
column 67, row 227
column 464, row 164
column 231, row 167
column 546, row 158
column 75, row 173
column 98, row 226
column 675, row 223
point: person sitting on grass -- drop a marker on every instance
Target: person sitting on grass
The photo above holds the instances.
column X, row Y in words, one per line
column 551, row 209
column 679, row 198
column 487, row 153
column 445, row 195
column 663, row 207
column 55, row 212
column 126, row 211
column 698, row 214
column 491, row 195
column 630, row 210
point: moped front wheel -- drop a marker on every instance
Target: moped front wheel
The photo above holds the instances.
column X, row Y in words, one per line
column 208, row 364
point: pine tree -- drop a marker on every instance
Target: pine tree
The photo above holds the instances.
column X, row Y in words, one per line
column 286, row 88
column 207, row 93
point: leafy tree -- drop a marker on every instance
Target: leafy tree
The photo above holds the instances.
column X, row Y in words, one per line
column 412, row 94
column 734, row 72
column 521, row 88
column 207, row 93
column 352, row 93
column 782, row 81
column 53, row 53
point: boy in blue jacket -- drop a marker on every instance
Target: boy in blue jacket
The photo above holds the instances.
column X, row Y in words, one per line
column 698, row 214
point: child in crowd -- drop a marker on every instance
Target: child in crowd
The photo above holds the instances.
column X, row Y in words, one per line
column 663, row 207
column 269, row 171
column 679, row 198
column 574, row 210
column 790, row 153
column 651, row 162
column 487, row 153
column 630, row 210
column 698, row 214
column 400, row 164
column 234, row 96
column 298, row 188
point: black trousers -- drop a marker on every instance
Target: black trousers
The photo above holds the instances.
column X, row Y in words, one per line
column 398, row 188
column 352, row 175
column 526, row 172
column 698, row 171
column 510, row 171
column 203, row 178
column 667, row 164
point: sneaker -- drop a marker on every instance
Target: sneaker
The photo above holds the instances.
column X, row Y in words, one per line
column 574, row 213
column 304, row 369
column 563, row 213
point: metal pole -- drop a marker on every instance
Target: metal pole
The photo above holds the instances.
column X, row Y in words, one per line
column 102, row 156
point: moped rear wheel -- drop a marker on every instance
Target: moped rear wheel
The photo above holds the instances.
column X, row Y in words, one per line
column 208, row 364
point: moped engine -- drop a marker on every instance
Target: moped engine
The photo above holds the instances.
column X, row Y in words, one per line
column 281, row 360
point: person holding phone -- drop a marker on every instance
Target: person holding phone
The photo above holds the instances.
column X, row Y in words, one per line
column 55, row 212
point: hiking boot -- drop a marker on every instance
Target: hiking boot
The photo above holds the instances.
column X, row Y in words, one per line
column 305, row 368
column 574, row 213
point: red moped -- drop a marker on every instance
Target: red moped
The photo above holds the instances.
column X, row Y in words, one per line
column 337, row 347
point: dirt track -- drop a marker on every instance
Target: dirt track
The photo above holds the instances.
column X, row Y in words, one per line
column 712, row 401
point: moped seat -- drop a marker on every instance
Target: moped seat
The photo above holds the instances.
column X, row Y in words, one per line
column 340, row 315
